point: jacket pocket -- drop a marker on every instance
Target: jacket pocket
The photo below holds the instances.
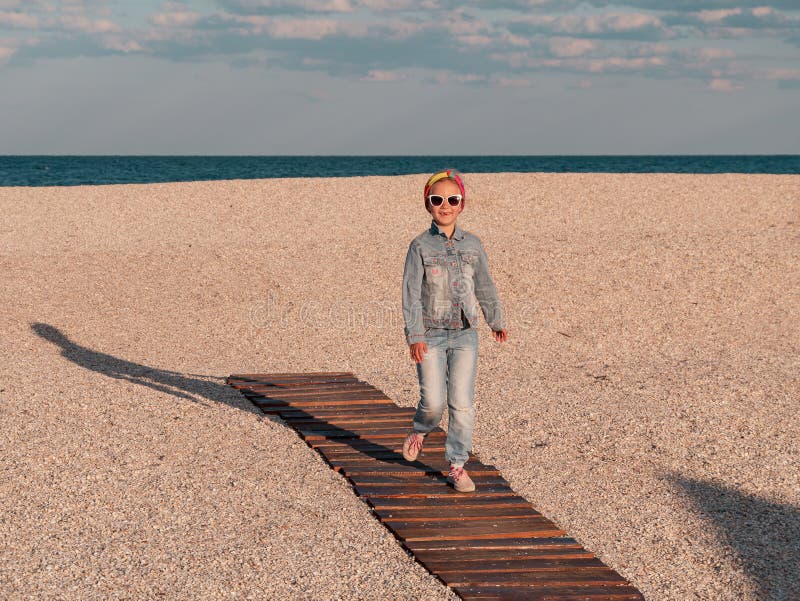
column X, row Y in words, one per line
column 435, row 268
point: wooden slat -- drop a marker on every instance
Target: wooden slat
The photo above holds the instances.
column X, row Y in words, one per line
column 509, row 546
column 421, row 514
column 548, row 593
column 486, row 544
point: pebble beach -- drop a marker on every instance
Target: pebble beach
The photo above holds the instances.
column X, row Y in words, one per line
column 646, row 399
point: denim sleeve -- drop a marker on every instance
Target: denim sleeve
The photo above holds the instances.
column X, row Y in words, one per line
column 412, row 296
column 486, row 292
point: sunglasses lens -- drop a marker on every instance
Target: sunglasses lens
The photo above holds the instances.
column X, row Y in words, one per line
column 454, row 200
column 436, row 200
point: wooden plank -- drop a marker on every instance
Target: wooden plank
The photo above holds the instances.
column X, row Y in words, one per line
column 291, row 377
column 312, row 391
column 528, row 543
column 349, row 401
column 415, row 490
column 396, row 462
column 486, row 544
column 395, row 434
column 306, row 385
column 557, row 577
column 455, row 502
column 324, row 424
column 361, row 420
column 452, row 568
column 434, row 560
column 422, row 514
column 366, row 411
column 317, row 399
column 548, row 593
column 391, row 444
column 488, row 528
column 293, row 374
column 357, row 472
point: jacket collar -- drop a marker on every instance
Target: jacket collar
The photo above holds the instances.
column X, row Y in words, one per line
column 458, row 233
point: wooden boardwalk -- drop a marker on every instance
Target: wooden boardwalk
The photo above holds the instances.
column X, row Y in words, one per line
column 486, row 544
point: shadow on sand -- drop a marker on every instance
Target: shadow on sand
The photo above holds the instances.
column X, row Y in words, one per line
column 193, row 388
column 764, row 535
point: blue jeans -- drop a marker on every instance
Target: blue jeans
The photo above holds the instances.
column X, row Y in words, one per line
column 447, row 376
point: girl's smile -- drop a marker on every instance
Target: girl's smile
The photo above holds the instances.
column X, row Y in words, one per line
column 444, row 215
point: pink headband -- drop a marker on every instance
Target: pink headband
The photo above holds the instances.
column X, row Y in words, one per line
column 447, row 174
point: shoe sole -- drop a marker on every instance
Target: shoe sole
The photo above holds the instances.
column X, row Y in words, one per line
column 407, row 458
column 462, row 489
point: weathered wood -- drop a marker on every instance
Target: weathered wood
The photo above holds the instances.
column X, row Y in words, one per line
column 486, row 544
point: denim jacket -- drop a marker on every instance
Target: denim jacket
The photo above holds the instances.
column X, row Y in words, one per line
column 444, row 276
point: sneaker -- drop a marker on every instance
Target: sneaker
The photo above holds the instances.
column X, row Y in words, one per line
column 412, row 445
column 460, row 479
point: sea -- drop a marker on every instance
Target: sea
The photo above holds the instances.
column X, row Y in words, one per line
column 53, row 170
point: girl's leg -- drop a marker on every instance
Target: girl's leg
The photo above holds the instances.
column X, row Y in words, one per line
column 432, row 383
column 462, row 365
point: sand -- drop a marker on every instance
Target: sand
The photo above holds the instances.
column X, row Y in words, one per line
column 646, row 399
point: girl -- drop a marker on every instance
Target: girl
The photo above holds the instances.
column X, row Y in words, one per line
column 446, row 278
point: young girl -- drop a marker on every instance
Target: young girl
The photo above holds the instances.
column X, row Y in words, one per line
column 446, row 279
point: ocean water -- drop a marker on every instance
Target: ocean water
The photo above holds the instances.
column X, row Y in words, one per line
column 48, row 170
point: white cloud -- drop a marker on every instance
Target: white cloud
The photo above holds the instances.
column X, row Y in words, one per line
column 121, row 45
column 724, row 85
column 571, row 46
column 313, row 29
column 782, row 73
column 476, row 40
column 510, row 82
column 605, row 25
column 287, row 6
column 87, row 25
column 711, row 16
column 18, row 20
column 710, row 53
column 175, row 18
column 467, row 40
column 378, row 75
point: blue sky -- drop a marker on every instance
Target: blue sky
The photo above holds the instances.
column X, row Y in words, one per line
column 399, row 77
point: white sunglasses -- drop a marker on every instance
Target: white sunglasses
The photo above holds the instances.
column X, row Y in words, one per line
column 436, row 200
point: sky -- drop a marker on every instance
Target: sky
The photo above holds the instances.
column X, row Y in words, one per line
column 421, row 77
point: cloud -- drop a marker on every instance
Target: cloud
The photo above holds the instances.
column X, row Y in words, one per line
column 87, row 25
column 266, row 7
column 693, row 5
column 511, row 82
column 460, row 42
column 749, row 20
column 18, row 20
column 571, row 46
column 378, row 75
column 118, row 44
column 786, row 78
column 583, row 84
column 313, row 29
column 6, row 52
column 724, row 85
column 611, row 25
column 183, row 18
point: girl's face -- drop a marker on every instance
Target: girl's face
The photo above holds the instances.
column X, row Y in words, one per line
column 444, row 214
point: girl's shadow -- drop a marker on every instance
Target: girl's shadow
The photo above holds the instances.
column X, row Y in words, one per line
column 185, row 386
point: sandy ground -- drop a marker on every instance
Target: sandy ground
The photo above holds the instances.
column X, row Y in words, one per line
column 646, row 400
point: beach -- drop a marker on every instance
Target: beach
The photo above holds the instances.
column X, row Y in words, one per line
column 646, row 400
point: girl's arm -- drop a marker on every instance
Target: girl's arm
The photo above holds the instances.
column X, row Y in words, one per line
column 486, row 292
column 412, row 296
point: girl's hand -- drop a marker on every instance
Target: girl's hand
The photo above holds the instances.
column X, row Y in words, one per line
column 417, row 350
column 500, row 335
